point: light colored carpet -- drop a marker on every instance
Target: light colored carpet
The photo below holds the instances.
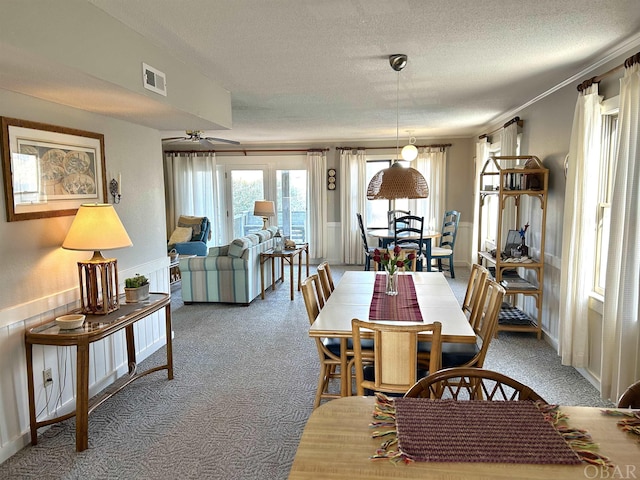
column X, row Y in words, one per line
column 245, row 379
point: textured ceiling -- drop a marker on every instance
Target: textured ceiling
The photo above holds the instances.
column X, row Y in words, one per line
column 317, row 70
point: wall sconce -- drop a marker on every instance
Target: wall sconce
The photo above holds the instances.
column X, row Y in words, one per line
column 115, row 188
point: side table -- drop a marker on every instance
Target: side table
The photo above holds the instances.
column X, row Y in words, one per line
column 289, row 256
column 174, row 269
column 96, row 327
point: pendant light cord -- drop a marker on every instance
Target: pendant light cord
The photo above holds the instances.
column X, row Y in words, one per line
column 398, row 116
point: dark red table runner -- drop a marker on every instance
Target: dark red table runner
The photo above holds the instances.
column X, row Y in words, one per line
column 403, row 306
column 478, row 431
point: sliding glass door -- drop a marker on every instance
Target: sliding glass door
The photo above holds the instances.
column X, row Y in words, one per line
column 245, row 186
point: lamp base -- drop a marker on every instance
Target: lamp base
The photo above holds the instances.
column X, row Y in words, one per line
column 265, row 220
column 99, row 285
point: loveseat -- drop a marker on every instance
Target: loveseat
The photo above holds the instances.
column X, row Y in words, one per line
column 230, row 273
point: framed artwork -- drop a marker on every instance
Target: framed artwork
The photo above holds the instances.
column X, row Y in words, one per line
column 49, row 171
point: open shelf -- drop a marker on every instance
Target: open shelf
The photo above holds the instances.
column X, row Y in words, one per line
column 509, row 178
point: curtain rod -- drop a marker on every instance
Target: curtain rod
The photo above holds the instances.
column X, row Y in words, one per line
column 627, row 63
column 510, row 122
column 435, row 145
column 246, row 151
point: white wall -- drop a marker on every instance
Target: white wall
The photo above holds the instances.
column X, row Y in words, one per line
column 39, row 278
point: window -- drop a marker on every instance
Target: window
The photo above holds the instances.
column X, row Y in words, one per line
column 376, row 210
column 605, row 188
column 291, row 203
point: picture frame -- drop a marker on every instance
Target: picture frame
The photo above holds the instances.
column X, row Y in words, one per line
column 48, row 170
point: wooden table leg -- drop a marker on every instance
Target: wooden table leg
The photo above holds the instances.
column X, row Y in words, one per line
column 82, row 397
column 344, row 361
column 300, row 270
column 262, row 260
column 306, row 249
column 169, row 334
column 32, row 398
column 428, row 253
column 131, row 349
column 292, row 263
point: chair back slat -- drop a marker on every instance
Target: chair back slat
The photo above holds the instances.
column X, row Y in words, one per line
column 475, row 286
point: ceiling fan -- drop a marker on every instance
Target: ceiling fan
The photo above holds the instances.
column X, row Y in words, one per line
column 197, row 136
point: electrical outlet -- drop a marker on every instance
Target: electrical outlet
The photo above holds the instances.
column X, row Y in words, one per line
column 47, row 377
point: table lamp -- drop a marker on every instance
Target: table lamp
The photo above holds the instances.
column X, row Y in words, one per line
column 97, row 227
column 264, row 209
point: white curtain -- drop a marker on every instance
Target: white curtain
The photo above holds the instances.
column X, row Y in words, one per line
column 191, row 187
column 317, row 192
column 579, row 229
column 353, row 194
column 432, row 163
column 620, row 329
column 482, row 154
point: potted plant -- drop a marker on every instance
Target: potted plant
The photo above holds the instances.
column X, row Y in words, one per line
column 136, row 288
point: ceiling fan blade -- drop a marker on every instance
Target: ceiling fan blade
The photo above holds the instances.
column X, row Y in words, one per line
column 173, row 138
column 206, row 143
column 223, row 140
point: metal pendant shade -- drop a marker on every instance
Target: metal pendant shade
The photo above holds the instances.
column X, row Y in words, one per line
column 396, row 181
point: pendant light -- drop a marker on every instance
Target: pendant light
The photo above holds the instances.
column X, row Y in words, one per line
column 397, row 181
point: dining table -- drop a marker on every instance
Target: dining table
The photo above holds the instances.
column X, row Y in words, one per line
column 387, row 236
column 337, row 443
column 352, row 298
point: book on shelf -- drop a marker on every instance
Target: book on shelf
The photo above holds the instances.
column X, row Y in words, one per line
column 517, row 283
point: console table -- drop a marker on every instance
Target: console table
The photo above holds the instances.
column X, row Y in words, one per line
column 289, row 256
column 96, row 327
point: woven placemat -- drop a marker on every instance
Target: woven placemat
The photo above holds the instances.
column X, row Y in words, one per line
column 478, row 431
column 403, row 306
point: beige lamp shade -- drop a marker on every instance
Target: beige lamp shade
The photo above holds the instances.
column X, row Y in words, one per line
column 96, row 227
column 397, row 182
column 264, row 208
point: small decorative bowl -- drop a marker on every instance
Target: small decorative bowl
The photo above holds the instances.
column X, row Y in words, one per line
column 69, row 322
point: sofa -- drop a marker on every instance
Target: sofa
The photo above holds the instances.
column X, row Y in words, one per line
column 229, row 273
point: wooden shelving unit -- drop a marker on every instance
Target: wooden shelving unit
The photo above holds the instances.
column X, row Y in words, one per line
column 509, row 179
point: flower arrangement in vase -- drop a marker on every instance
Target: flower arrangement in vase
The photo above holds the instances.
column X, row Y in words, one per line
column 391, row 264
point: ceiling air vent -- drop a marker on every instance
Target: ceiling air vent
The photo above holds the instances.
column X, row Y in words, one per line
column 154, row 80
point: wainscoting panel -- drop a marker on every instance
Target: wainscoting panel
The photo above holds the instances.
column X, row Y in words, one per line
column 108, row 358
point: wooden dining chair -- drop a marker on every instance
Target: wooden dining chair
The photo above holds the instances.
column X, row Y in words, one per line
column 326, row 280
column 444, row 251
column 475, row 286
column 329, row 360
column 456, row 354
column 393, row 214
column 368, row 251
column 394, row 356
column 409, row 226
column 472, row 384
column 631, row 397
column 403, row 255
